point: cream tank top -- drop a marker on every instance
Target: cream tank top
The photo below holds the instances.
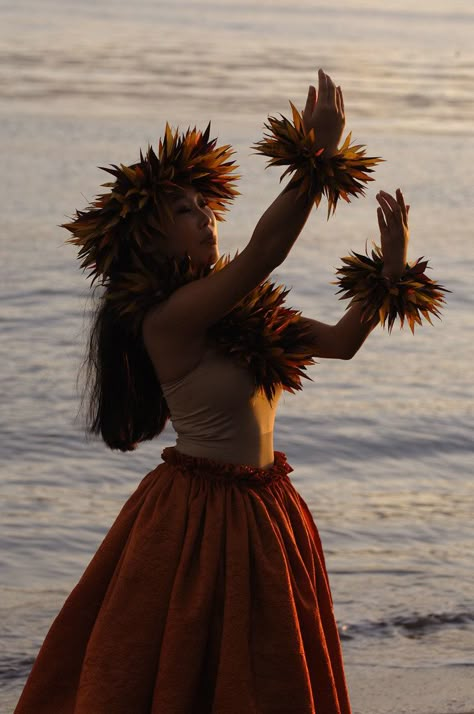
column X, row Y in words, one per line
column 215, row 414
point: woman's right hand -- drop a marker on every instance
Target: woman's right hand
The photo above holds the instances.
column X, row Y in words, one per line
column 324, row 112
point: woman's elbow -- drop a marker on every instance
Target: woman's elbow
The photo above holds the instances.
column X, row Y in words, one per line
column 349, row 351
column 347, row 355
column 336, row 353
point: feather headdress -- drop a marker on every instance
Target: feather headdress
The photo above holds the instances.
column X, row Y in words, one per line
column 138, row 198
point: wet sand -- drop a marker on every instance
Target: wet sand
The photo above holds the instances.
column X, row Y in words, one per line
column 434, row 690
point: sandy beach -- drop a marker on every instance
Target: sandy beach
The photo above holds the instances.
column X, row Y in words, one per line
column 436, row 690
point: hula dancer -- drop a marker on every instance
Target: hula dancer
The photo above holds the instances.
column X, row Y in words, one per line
column 209, row 594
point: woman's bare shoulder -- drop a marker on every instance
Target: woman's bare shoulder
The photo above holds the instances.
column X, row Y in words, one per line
column 173, row 353
column 175, row 330
column 193, row 308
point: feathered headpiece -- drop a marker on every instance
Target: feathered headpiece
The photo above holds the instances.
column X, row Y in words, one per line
column 139, row 196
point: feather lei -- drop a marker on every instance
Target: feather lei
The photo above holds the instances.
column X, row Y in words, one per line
column 259, row 333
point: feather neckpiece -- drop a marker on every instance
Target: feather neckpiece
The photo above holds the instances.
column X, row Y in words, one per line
column 261, row 333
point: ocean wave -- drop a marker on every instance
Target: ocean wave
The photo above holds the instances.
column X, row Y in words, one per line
column 417, row 92
column 15, row 667
column 415, row 625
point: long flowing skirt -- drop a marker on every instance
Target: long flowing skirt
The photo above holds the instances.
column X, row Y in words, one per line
column 208, row 595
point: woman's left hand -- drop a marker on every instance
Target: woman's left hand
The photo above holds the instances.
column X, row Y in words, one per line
column 392, row 216
column 324, row 112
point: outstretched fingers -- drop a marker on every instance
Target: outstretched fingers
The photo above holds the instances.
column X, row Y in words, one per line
column 324, row 113
column 392, row 210
column 327, row 89
column 403, row 207
column 323, row 85
column 392, row 216
column 381, row 221
column 310, row 101
column 331, row 93
column 340, row 100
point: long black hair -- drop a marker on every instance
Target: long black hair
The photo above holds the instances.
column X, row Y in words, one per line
column 122, row 395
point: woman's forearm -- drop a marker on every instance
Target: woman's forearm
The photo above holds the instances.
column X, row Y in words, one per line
column 339, row 341
column 351, row 332
column 280, row 226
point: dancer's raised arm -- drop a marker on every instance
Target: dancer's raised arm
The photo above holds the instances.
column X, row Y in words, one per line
column 344, row 339
column 382, row 287
column 192, row 309
column 281, row 224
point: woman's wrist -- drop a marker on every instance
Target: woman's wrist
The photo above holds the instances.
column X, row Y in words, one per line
column 329, row 152
column 391, row 275
column 330, row 171
column 382, row 294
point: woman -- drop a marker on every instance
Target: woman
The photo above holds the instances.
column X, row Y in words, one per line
column 210, row 592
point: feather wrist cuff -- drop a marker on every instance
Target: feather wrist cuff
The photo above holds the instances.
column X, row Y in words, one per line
column 413, row 296
column 339, row 176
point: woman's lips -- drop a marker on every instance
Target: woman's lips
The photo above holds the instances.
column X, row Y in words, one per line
column 210, row 238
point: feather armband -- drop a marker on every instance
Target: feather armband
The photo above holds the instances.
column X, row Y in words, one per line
column 339, row 176
column 413, row 296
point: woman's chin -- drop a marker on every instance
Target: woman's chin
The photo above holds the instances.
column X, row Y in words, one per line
column 213, row 256
column 206, row 257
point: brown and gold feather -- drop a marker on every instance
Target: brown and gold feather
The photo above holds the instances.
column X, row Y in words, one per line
column 130, row 212
column 339, row 176
column 410, row 298
column 260, row 332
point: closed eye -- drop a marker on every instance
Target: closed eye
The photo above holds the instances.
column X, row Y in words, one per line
column 188, row 209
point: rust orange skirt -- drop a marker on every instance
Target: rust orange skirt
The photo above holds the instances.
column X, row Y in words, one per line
column 209, row 595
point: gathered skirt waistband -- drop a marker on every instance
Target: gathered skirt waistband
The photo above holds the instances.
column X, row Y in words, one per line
column 240, row 474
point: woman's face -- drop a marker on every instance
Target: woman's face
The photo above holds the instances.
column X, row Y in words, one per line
column 193, row 230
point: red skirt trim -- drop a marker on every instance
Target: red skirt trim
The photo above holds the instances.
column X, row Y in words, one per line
column 239, row 474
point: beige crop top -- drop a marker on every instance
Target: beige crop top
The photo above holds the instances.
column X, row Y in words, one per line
column 215, row 415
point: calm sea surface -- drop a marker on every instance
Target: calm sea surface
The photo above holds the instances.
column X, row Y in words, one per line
column 381, row 445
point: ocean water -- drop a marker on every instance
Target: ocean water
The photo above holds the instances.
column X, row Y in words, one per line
column 381, row 445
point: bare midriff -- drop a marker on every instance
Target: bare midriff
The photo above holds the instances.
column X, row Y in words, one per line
column 218, row 414
column 250, row 452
